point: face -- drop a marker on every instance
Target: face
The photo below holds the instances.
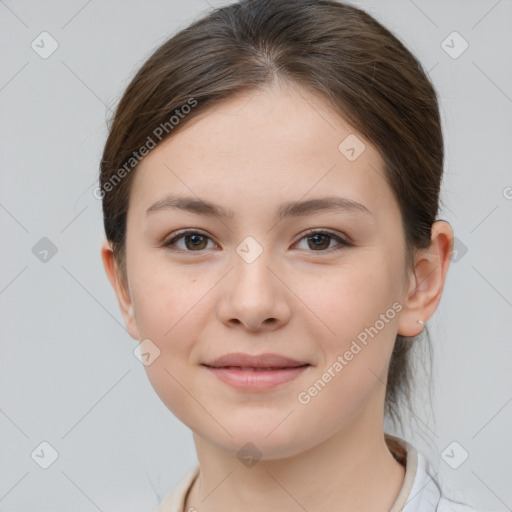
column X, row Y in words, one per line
column 252, row 281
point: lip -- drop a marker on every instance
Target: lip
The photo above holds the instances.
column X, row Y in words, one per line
column 255, row 372
column 266, row 360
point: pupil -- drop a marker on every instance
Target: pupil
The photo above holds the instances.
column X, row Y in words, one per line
column 316, row 236
column 196, row 240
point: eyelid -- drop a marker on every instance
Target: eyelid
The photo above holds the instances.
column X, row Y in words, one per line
column 187, row 231
column 343, row 240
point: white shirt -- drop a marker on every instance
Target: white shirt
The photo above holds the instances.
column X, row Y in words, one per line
column 419, row 492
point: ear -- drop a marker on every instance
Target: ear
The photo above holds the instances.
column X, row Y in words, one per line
column 427, row 281
column 123, row 295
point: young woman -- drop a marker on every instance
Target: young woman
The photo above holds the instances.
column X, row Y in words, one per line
column 270, row 189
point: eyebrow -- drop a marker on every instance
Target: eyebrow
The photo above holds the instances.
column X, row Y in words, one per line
column 288, row 209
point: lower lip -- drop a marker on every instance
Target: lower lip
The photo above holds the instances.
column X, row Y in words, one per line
column 256, row 379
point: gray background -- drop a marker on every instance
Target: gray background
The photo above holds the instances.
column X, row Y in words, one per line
column 67, row 369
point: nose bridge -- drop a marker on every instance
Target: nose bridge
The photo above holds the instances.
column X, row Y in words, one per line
column 253, row 295
column 252, row 261
column 250, row 250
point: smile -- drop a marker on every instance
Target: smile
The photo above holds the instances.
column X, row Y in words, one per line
column 256, row 378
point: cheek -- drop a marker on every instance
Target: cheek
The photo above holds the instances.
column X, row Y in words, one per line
column 170, row 312
column 352, row 297
column 355, row 358
column 166, row 300
column 356, row 315
column 172, row 309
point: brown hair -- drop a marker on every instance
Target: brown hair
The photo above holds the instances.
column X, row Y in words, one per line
column 331, row 49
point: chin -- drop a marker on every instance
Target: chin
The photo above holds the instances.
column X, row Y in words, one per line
column 263, row 439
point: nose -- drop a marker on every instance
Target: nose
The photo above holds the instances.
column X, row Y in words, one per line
column 253, row 297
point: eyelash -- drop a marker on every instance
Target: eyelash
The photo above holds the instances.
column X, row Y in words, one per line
column 181, row 234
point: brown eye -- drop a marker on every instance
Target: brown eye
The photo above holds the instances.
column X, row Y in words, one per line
column 196, row 241
column 320, row 241
column 193, row 241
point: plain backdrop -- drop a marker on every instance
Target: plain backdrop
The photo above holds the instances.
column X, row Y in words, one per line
column 68, row 374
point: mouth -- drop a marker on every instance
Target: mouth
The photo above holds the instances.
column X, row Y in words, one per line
column 265, row 361
column 256, row 368
column 256, row 378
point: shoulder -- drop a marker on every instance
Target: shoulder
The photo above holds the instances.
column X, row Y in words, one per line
column 175, row 500
column 422, row 491
column 447, row 505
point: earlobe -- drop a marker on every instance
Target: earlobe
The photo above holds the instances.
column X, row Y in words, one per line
column 427, row 280
column 122, row 293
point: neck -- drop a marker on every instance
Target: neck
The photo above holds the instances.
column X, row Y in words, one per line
column 352, row 470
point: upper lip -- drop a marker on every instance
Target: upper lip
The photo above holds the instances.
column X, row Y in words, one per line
column 255, row 361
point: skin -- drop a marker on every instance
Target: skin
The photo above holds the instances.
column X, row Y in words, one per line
column 250, row 154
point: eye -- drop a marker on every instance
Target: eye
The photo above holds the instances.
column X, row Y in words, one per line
column 320, row 240
column 194, row 241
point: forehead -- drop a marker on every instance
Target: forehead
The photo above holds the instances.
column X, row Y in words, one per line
column 262, row 147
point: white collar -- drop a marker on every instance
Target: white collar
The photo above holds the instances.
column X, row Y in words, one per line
column 419, row 492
